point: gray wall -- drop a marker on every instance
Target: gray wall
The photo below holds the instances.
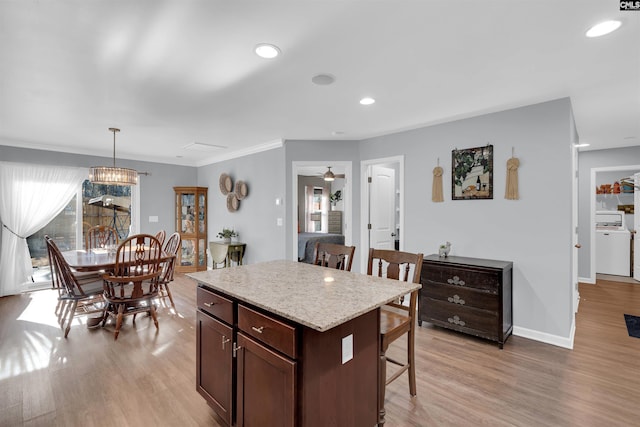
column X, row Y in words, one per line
column 617, row 157
column 156, row 190
column 533, row 232
column 256, row 219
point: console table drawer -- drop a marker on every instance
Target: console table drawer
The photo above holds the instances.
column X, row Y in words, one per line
column 465, row 319
column 464, row 297
column 469, row 278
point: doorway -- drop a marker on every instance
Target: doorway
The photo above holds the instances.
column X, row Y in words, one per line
column 611, row 201
column 382, row 205
column 300, row 217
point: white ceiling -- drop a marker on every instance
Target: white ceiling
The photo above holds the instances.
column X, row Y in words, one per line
column 170, row 73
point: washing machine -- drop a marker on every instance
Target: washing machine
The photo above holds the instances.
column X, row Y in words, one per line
column 613, row 244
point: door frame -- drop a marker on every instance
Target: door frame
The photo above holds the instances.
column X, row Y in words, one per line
column 364, row 204
column 592, row 213
column 296, row 166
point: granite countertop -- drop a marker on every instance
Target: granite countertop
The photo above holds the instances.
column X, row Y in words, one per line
column 318, row 297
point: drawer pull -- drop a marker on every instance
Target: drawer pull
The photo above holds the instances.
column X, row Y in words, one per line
column 258, row 330
column 456, row 300
column 208, row 304
column 455, row 281
column 456, row 320
column 224, row 341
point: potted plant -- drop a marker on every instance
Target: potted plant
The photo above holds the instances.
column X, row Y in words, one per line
column 335, row 197
column 226, row 234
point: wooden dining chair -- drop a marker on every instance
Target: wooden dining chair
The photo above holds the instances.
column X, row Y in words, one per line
column 133, row 284
column 333, row 255
column 73, row 297
column 100, row 236
column 168, row 267
column 396, row 319
column 161, row 235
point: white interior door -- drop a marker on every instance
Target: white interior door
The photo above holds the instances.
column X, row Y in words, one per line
column 636, row 226
column 382, row 207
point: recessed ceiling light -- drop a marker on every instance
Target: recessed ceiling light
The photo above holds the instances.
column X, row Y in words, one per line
column 603, row 28
column 323, row 79
column 267, row 51
column 367, row 101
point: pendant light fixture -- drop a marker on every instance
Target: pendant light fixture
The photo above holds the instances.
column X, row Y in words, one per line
column 328, row 175
column 112, row 175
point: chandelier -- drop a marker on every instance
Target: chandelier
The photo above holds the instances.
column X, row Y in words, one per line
column 112, row 175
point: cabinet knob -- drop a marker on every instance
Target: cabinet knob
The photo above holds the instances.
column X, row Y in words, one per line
column 456, row 300
column 578, row 245
column 209, row 304
column 258, row 330
column 456, row 320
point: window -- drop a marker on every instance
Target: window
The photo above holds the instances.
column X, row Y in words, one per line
column 100, row 205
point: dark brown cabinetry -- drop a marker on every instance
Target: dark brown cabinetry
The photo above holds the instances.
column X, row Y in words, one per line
column 257, row 369
column 468, row 295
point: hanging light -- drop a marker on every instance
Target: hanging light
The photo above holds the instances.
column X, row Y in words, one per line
column 328, row 175
column 111, row 175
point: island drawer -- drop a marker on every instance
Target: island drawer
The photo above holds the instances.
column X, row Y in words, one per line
column 215, row 305
column 273, row 332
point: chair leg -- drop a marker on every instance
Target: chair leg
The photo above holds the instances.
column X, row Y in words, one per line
column 119, row 320
column 411, row 358
column 72, row 312
column 382, row 376
column 168, row 291
column 152, row 309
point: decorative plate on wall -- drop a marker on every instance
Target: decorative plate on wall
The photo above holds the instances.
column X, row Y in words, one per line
column 226, row 184
column 241, row 190
column 232, row 202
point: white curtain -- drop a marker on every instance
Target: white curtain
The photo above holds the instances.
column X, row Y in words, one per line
column 30, row 197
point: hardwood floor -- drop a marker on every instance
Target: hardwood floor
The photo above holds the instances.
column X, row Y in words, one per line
column 148, row 377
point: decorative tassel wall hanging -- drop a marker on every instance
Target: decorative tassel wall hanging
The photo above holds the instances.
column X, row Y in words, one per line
column 511, row 191
column 436, row 189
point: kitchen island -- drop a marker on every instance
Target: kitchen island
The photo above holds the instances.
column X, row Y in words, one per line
column 292, row 344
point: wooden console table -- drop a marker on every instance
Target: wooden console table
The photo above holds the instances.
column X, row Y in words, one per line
column 469, row 295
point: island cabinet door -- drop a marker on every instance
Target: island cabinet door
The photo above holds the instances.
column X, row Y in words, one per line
column 266, row 386
column 214, row 376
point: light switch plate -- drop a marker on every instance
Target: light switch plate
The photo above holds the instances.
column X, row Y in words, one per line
column 347, row 348
column 153, row 218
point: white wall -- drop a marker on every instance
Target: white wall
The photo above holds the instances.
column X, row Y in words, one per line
column 533, row 232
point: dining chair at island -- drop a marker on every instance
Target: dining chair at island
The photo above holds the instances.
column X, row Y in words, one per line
column 333, row 255
column 133, row 284
column 396, row 319
column 168, row 267
column 73, row 297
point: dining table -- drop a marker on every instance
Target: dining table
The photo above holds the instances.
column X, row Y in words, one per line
column 98, row 259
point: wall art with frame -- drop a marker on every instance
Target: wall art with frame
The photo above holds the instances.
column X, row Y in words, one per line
column 472, row 173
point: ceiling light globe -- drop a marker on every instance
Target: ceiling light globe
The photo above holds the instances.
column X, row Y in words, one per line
column 367, row 101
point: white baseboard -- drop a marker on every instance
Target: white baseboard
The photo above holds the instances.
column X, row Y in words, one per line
column 565, row 342
column 588, row 280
